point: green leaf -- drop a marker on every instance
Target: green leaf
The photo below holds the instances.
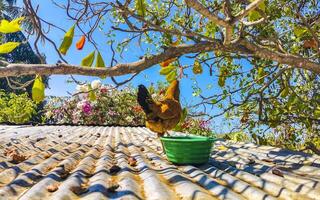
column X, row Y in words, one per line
column 171, row 76
column 222, row 81
column 285, row 92
column 214, row 101
column 261, row 73
column 197, row 68
column 88, row 60
column 100, row 61
column 141, row 7
column 183, row 115
column 317, row 113
column 299, row 31
column 67, row 41
column 11, row 27
column 8, row 47
column 92, row 95
column 38, row 89
column 254, row 15
column 167, row 70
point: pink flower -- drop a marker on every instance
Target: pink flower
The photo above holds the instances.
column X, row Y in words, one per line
column 86, row 108
column 204, row 124
column 103, row 90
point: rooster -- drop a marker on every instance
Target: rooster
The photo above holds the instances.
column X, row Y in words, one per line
column 162, row 115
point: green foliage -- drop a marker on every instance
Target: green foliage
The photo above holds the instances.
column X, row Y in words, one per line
column 88, row 60
column 67, row 41
column 239, row 136
column 16, row 108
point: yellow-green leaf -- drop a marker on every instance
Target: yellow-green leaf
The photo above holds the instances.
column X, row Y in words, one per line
column 222, row 76
column 141, row 7
column 171, row 76
column 299, row 31
column 254, row 15
column 67, row 41
column 38, row 90
column 261, row 74
column 317, row 112
column 284, row 92
column 100, row 61
column 8, row 47
column 92, row 96
column 88, row 60
column 197, row 68
column 166, row 70
column 10, row 27
column 222, row 81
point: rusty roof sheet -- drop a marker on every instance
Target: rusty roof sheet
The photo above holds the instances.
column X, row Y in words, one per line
column 79, row 162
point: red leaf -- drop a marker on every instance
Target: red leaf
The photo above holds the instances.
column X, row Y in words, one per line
column 81, row 42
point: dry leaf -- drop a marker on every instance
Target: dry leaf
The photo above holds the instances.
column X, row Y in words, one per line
column 78, row 190
column 267, row 160
column 113, row 186
column 312, row 43
column 114, row 169
column 15, row 156
column 277, row 172
column 132, row 161
column 251, row 161
column 222, row 148
column 53, row 187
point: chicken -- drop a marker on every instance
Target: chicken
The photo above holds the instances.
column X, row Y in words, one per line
column 163, row 115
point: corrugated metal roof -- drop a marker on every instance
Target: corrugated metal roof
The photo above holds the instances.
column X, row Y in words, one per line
column 73, row 162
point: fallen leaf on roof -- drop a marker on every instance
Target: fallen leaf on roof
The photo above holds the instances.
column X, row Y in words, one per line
column 232, row 163
column 132, row 161
column 222, row 148
column 113, row 186
column 53, row 187
column 114, row 169
column 46, row 155
column 251, row 161
column 267, row 160
column 277, row 172
column 79, row 189
column 15, row 156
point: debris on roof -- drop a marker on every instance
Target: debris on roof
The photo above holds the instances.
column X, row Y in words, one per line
column 82, row 162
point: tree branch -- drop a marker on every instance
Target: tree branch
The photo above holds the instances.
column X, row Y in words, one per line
column 117, row 70
column 246, row 11
column 206, row 12
column 291, row 60
column 243, row 47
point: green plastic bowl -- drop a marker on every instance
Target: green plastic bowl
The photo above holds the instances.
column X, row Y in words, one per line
column 187, row 149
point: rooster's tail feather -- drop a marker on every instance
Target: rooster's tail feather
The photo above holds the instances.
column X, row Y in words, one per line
column 143, row 98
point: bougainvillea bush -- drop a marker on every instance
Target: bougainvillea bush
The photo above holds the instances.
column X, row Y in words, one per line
column 96, row 104
column 99, row 104
column 196, row 126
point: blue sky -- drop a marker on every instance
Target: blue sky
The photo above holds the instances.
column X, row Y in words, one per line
column 59, row 87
